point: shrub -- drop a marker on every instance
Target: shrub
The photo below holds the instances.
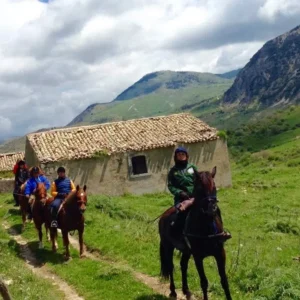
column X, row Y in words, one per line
column 222, row 135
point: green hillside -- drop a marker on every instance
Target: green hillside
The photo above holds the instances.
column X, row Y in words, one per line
column 163, row 102
column 170, row 80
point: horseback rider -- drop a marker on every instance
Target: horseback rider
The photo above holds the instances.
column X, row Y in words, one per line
column 181, row 177
column 36, row 177
column 60, row 189
column 21, row 176
column 181, row 184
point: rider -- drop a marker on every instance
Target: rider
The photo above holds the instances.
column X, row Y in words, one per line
column 21, row 176
column 181, row 183
column 60, row 188
column 36, row 177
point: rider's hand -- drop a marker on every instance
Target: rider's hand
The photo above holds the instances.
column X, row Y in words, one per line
column 184, row 196
column 27, row 196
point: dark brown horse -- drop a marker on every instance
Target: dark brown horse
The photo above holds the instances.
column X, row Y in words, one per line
column 203, row 234
column 71, row 217
column 39, row 212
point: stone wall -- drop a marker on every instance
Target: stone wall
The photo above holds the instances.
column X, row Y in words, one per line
column 111, row 175
column 6, row 185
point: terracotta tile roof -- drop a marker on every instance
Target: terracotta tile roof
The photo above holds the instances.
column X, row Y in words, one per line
column 8, row 160
column 117, row 137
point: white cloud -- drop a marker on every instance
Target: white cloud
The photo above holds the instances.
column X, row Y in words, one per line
column 58, row 58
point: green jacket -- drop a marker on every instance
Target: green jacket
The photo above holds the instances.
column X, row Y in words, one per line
column 181, row 180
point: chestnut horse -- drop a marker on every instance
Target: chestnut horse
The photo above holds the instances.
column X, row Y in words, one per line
column 203, row 233
column 71, row 217
column 40, row 213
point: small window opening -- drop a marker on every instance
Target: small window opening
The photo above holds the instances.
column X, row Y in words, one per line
column 139, row 165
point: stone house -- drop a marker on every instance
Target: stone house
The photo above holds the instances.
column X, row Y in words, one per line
column 130, row 156
column 7, row 162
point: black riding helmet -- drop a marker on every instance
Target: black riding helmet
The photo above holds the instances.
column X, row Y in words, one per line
column 181, row 149
column 21, row 162
column 61, row 170
column 34, row 170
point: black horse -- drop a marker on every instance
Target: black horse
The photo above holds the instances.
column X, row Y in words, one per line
column 203, row 234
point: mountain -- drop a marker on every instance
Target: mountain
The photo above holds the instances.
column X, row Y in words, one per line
column 158, row 93
column 230, row 75
column 169, row 80
column 13, row 145
column 272, row 76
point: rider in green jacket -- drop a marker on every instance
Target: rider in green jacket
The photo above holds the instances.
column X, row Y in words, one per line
column 181, row 176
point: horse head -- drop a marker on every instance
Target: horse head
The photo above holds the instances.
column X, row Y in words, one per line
column 81, row 198
column 41, row 193
column 205, row 192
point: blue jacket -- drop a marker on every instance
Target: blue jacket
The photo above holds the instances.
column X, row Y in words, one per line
column 32, row 183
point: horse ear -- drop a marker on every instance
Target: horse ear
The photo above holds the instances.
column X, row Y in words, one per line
column 196, row 176
column 214, row 172
column 84, row 188
column 77, row 188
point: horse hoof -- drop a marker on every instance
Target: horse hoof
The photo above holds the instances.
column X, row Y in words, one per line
column 173, row 296
column 82, row 255
column 68, row 258
column 188, row 295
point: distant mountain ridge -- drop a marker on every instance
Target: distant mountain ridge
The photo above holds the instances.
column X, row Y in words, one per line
column 272, row 75
column 170, row 80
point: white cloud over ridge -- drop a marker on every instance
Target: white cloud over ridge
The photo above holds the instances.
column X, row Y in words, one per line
column 58, row 58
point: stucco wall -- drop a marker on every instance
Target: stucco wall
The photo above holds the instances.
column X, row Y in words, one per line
column 111, row 175
column 30, row 156
column 210, row 154
column 6, row 185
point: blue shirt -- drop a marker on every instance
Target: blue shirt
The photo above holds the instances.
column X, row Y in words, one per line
column 32, row 184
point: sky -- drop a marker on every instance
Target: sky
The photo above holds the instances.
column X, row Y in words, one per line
column 59, row 56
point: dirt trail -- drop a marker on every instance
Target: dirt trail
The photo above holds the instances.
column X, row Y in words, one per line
column 41, row 270
column 151, row 282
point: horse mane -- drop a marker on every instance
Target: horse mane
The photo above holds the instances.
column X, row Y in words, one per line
column 69, row 199
column 206, row 181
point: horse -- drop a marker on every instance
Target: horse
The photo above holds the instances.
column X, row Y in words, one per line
column 71, row 217
column 203, row 234
column 39, row 212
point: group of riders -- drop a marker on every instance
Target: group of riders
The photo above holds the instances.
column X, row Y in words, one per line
column 26, row 181
column 180, row 184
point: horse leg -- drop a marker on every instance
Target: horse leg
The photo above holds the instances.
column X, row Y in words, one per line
column 53, row 233
column 39, row 229
column 66, row 243
column 203, row 279
column 167, row 267
column 23, row 212
column 80, row 233
column 221, row 262
column 47, row 233
column 184, row 267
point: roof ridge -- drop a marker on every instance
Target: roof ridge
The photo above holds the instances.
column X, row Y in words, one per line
column 110, row 123
column 12, row 153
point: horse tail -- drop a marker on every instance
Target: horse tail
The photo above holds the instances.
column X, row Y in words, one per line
column 166, row 259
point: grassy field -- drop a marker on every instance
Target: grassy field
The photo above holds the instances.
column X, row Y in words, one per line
column 261, row 210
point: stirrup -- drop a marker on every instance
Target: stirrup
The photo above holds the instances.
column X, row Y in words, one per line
column 54, row 224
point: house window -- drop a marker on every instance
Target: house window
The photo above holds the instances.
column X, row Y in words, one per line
column 139, row 165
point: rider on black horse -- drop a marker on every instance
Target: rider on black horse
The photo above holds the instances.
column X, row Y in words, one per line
column 60, row 189
column 181, row 185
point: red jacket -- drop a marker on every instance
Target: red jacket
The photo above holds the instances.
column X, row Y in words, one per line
column 15, row 170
